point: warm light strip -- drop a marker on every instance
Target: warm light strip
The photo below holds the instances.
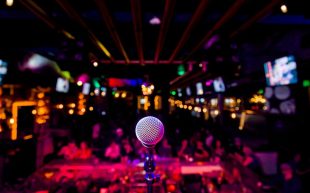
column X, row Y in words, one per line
column 15, row 106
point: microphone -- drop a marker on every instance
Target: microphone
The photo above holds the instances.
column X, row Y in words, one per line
column 149, row 131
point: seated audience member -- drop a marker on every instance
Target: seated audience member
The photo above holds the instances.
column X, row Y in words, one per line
column 127, row 150
column 237, row 146
column 165, row 149
column 218, row 149
column 289, row 182
column 185, row 151
column 200, row 153
column 209, row 139
column 84, row 152
column 251, row 161
column 113, row 152
column 69, row 152
column 139, row 149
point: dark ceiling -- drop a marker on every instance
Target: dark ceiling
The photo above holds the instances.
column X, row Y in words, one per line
column 117, row 33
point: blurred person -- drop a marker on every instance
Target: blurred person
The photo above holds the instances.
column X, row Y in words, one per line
column 127, row 150
column 200, row 153
column 84, row 152
column 289, row 181
column 139, row 149
column 251, row 161
column 165, row 149
column 185, row 151
column 218, row 149
column 69, row 151
column 119, row 135
column 209, row 139
column 113, row 152
column 237, row 146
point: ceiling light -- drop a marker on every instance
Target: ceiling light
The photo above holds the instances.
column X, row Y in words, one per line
column 9, row 2
column 95, row 64
column 155, row 21
column 283, row 8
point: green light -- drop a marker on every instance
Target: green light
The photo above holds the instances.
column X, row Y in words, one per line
column 181, row 70
column 173, row 92
column 260, row 91
column 306, row 83
column 96, row 83
column 113, row 92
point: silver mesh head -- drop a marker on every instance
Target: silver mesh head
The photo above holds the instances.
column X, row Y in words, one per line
column 149, row 131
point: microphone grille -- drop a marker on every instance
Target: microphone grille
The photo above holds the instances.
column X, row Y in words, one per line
column 149, row 130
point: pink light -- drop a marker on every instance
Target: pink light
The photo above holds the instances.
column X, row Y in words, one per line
column 209, row 82
column 83, row 78
column 155, row 21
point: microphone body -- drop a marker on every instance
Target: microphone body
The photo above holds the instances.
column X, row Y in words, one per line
column 149, row 131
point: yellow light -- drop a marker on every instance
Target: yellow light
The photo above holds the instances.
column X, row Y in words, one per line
column 199, row 110
column 72, row 105
column 83, row 110
column 48, row 175
column 12, row 121
column 28, row 137
column 79, row 83
column 41, row 103
column 81, row 96
column 242, row 120
column 124, row 94
column 92, row 94
column 9, row 2
column 71, row 111
column 40, row 95
column 181, row 106
column 233, row 115
column 116, row 95
column 238, row 100
column 60, row 106
column 283, row 8
column 190, row 107
column 34, row 111
column 204, row 110
column 185, row 106
column 216, row 112
column 91, row 108
column 103, row 48
column 0, row 128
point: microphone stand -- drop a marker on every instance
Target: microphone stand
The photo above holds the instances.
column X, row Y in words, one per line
column 149, row 167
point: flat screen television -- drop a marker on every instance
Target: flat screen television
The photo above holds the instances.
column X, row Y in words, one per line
column 218, row 84
column 86, row 88
column 62, row 85
column 188, row 91
column 3, row 70
column 282, row 71
column 199, row 88
column 179, row 91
